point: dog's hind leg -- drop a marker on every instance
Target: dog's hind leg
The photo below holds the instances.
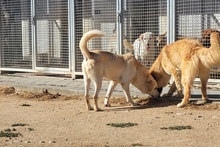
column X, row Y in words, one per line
column 87, row 86
column 187, row 95
column 188, row 76
column 126, row 90
column 98, row 85
column 177, row 78
column 111, row 88
column 171, row 90
column 204, row 75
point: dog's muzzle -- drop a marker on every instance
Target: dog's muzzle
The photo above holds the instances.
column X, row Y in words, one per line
column 156, row 94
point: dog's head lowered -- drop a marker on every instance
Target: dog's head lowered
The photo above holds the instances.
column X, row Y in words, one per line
column 152, row 87
column 145, row 82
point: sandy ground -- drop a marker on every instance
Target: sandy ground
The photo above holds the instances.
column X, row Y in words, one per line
column 43, row 119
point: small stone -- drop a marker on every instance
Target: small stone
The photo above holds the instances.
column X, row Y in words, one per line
column 215, row 117
column 42, row 141
column 199, row 117
column 27, row 142
column 181, row 113
column 52, row 141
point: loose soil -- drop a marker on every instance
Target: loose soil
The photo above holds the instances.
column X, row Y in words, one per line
column 45, row 119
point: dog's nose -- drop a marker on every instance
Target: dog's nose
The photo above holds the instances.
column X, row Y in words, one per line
column 155, row 94
column 160, row 90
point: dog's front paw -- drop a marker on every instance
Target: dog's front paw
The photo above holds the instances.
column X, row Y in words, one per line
column 97, row 109
column 106, row 103
column 89, row 107
column 167, row 95
column 135, row 104
column 180, row 105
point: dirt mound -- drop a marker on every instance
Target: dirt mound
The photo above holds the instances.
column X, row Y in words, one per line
column 7, row 90
column 146, row 102
column 205, row 106
column 41, row 96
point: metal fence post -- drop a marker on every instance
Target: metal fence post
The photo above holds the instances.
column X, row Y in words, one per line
column 119, row 27
column 72, row 46
column 171, row 21
column 33, row 31
column 171, row 24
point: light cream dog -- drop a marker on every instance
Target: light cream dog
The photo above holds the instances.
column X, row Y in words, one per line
column 144, row 47
column 189, row 59
column 123, row 69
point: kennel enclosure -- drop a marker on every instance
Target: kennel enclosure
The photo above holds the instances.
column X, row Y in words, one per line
column 43, row 35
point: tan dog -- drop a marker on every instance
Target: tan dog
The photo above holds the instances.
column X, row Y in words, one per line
column 189, row 59
column 123, row 69
column 205, row 40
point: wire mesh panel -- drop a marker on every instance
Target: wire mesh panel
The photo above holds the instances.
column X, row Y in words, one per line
column 195, row 19
column 95, row 14
column 15, row 34
column 144, row 28
column 52, row 46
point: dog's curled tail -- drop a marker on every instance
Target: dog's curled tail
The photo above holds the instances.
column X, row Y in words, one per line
column 215, row 40
column 85, row 38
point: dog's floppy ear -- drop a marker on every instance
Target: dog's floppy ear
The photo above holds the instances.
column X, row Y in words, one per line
column 149, row 85
column 141, row 37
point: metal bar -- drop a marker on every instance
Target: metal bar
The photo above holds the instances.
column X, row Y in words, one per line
column 119, row 27
column 171, row 21
column 52, row 70
column 0, row 42
column 33, row 31
column 171, row 24
column 215, row 19
column 202, row 16
column 173, row 15
column 71, row 34
column 40, row 69
column 208, row 21
column 17, row 69
column 168, row 21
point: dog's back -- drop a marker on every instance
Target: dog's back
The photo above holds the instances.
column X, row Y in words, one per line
column 170, row 58
column 176, row 52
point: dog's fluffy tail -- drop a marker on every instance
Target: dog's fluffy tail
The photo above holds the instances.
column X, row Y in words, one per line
column 85, row 38
column 215, row 40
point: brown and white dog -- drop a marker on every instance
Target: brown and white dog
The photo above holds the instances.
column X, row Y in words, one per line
column 187, row 58
column 123, row 69
column 161, row 40
column 206, row 36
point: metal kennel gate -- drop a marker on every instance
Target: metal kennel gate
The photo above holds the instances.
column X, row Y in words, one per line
column 35, row 36
column 119, row 20
column 51, row 30
column 192, row 17
column 43, row 35
column 15, row 34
